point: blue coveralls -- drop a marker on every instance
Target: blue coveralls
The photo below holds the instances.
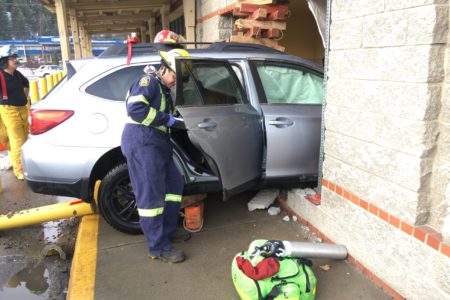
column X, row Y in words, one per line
column 156, row 181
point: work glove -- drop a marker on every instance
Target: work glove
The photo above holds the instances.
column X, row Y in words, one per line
column 171, row 121
column 175, row 122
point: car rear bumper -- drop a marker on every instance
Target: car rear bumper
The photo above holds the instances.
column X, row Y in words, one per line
column 58, row 170
column 78, row 189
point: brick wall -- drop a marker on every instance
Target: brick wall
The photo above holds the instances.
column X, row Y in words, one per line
column 386, row 191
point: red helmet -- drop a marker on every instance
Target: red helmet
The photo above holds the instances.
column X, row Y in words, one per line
column 167, row 37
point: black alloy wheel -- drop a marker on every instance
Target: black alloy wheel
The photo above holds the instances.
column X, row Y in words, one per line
column 117, row 203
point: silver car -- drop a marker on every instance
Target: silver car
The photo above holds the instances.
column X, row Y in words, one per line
column 252, row 119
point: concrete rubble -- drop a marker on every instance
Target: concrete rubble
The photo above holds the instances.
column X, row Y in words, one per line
column 274, row 210
column 263, row 199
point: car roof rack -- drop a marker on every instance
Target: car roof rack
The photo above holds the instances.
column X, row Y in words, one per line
column 146, row 48
column 237, row 47
column 138, row 49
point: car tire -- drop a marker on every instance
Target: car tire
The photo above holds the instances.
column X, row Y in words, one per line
column 116, row 201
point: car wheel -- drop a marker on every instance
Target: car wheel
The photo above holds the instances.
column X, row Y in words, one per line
column 117, row 203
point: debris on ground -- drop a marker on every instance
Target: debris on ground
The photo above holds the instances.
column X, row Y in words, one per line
column 286, row 218
column 310, row 195
column 326, row 268
column 309, row 191
column 274, row 210
column 263, row 199
column 294, row 218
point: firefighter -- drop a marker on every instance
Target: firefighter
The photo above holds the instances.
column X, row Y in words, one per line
column 156, row 181
column 14, row 106
column 169, row 38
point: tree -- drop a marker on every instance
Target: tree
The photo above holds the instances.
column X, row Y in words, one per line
column 46, row 22
column 29, row 18
column 19, row 24
column 4, row 24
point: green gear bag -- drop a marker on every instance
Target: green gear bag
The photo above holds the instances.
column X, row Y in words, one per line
column 294, row 280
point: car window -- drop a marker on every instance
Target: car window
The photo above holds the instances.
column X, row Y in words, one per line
column 289, row 84
column 210, row 83
column 115, row 85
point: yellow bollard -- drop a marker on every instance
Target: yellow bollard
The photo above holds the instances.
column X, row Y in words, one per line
column 34, row 92
column 55, row 79
column 50, row 84
column 43, row 87
column 60, row 76
column 46, row 213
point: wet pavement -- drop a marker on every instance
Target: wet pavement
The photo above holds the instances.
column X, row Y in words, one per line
column 35, row 260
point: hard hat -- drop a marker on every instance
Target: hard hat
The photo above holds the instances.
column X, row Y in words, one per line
column 168, row 37
column 7, row 51
column 168, row 58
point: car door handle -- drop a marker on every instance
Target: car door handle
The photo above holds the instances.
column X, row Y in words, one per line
column 207, row 125
column 281, row 122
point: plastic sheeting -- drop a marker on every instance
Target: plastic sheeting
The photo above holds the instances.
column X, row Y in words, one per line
column 319, row 10
column 284, row 85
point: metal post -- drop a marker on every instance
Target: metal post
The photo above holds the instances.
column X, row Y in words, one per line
column 34, row 91
column 43, row 87
column 49, row 80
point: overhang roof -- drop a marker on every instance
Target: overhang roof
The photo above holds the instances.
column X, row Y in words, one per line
column 112, row 16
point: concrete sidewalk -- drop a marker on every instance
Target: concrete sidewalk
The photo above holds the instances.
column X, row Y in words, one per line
column 124, row 272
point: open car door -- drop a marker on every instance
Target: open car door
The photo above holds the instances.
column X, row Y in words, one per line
column 220, row 121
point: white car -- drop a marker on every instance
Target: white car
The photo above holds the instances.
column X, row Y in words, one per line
column 252, row 119
column 45, row 70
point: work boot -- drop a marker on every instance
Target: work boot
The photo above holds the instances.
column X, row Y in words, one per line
column 180, row 235
column 169, row 256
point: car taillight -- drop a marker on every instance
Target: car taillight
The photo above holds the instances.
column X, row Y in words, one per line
column 43, row 120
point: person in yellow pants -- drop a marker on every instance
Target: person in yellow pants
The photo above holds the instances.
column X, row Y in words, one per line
column 14, row 106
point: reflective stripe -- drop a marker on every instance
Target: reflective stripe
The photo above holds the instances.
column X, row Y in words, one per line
column 152, row 113
column 162, row 107
column 173, row 198
column 153, row 212
column 150, row 117
column 137, row 98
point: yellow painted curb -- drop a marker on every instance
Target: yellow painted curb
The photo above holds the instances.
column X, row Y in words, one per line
column 84, row 263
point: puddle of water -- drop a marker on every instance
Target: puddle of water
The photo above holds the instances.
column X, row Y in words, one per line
column 29, row 283
column 45, row 279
